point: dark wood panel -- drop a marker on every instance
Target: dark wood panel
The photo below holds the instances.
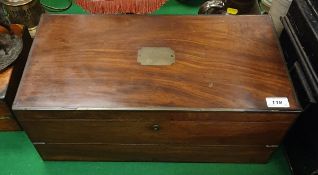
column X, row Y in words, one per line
column 30, row 115
column 222, row 62
column 156, row 132
column 165, row 153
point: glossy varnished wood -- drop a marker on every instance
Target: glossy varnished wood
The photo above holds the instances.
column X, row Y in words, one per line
column 107, row 115
column 172, row 153
column 187, row 132
column 222, row 62
column 217, row 128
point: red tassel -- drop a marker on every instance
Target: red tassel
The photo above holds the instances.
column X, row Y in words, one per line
column 120, row 6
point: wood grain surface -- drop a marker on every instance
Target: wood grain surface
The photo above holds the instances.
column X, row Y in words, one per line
column 217, row 128
column 165, row 153
column 90, row 62
column 154, row 132
column 38, row 115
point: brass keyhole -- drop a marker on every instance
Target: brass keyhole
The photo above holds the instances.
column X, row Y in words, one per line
column 156, row 127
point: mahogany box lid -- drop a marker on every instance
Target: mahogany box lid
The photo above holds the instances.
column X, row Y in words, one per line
column 220, row 63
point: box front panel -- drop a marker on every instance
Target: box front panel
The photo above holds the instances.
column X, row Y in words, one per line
column 156, row 132
column 156, row 127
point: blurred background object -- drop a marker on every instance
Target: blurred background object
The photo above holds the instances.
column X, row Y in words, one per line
column 15, row 43
column 59, row 8
column 231, row 7
column 193, row 2
column 213, row 7
column 265, row 5
column 243, row 6
column 299, row 41
column 25, row 12
column 3, row 16
column 11, row 45
column 120, row 6
column 278, row 9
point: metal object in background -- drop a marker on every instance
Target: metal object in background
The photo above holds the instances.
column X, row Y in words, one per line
column 3, row 16
column 192, row 2
column 243, row 6
column 11, row 46
column 25, row 12
column 222, row 6
column 213, row 7
column 265, row 5
column 58, row 9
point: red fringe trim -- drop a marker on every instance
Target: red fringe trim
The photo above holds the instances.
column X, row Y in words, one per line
column 120, row 6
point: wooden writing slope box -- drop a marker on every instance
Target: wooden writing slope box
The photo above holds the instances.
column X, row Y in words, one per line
column 86, row 95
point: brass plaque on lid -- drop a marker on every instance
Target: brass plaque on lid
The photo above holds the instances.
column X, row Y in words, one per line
column 156, row 56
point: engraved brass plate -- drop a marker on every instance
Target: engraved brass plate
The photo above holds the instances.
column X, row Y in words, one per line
column 156, row 56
